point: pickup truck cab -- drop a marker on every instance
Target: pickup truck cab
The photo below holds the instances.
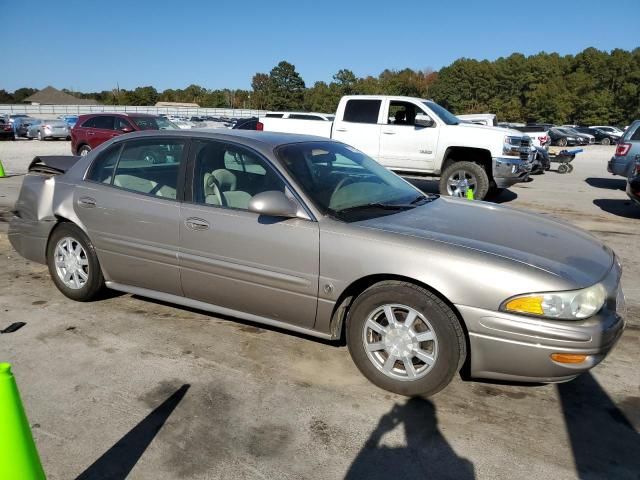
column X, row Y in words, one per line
column 418, row 137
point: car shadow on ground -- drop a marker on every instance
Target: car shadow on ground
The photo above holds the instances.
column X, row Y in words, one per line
column 621, row 208
column 117, row 462
column 603, row 441
column 427, row 453
column 607, row 183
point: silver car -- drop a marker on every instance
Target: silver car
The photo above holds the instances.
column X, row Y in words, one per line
column 313, row 236
column 46, row 129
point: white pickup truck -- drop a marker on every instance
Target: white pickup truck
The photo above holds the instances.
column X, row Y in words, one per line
column 418, row 137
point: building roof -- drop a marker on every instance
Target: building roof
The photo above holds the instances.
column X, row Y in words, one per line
column 53, row 96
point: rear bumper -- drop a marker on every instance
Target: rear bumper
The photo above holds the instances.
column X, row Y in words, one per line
column 29, row 238
column 508, row 171
column 619, row 165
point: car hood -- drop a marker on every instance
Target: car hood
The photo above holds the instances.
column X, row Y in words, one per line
column 537, row 241
column 489, row 128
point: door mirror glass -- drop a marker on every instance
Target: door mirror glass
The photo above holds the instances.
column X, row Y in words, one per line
column 423, row 120
column 273, row 203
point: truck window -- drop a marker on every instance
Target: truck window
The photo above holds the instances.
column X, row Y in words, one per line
column 274, row 115
column 302, row 116
column 362, row 111
column 403, row 113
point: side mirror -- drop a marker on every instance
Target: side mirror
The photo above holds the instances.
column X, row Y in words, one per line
column 423, row 120
column 126, row 130
column 274, row 204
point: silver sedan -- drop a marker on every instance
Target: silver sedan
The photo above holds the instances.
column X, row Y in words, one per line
column 48, row 129
column 313, row 236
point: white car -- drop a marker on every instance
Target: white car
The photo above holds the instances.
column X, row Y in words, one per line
column 418, row 137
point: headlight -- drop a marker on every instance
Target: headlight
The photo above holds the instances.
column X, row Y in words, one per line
column 511, row 145
column 569, row 305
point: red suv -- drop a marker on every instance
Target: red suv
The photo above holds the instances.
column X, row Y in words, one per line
column 96, row 128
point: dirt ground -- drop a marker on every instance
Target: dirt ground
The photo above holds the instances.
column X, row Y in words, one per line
column 128, row 386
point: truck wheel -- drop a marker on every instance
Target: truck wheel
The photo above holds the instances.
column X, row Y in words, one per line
column 405, row 339
column 459, row 176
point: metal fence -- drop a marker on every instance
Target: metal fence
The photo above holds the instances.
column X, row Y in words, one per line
column 39, row 110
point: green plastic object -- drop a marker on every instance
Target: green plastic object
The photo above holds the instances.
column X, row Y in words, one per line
column 2, row 174
column 19, row 458
column 469, row 194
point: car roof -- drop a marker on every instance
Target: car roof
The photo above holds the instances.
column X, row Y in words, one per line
column 259, row 140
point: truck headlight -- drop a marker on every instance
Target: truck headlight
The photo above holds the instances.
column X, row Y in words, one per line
column 567, row 305
column 511, row 145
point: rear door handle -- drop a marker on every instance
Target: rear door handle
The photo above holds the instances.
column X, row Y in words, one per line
column 87, row 202
column 195, row 223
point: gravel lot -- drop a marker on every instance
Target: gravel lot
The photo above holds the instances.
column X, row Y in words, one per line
column 128, row 385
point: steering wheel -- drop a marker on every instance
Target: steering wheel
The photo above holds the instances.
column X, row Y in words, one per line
column 342, row 183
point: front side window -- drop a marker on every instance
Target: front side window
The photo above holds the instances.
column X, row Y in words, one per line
column 150, row 167
column 154, row 123
column 227, row 175
column 346, row 184
column 122, row 123
column 362, row 111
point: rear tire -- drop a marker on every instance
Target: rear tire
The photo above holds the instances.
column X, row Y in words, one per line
column 84, row 150
column 562, row 142
column 470, row 169
column 402, row 365
column 70, row 250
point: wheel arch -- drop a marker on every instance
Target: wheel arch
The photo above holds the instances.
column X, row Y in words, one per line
column 481, row 156
column 341, row 308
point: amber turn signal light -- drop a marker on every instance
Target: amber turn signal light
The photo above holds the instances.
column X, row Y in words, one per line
column 568, row 357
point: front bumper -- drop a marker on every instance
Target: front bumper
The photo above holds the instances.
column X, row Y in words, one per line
column 512, row 347
column 508, row 171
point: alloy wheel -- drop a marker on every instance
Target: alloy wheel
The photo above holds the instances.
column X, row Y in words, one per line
column 71, row 262
column 459, row 182
column 400, row 342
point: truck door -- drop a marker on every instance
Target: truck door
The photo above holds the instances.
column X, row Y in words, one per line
column 359, row 125
column 404, row 145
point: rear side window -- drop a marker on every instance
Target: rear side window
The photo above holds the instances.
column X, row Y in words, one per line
column 362, row 111
column 274, row 115
column 104, row 122
column 101, row 170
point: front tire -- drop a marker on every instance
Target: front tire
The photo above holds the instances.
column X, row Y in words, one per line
column 562, row 142
column 606, row 141
column 460, row 175
column 73, row 263
column 405, row 339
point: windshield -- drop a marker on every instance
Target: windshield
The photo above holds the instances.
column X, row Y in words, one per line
column 443, row 114
column 154, row 123
column 346, row 184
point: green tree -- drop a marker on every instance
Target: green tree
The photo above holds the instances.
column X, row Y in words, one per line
column 286, row 87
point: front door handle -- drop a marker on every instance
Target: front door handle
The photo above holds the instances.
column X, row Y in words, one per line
column 341, row 129
column 195, row 223
column 87, row 202
column 388, row 132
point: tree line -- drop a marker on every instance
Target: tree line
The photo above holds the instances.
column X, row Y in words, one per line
column 593, row 86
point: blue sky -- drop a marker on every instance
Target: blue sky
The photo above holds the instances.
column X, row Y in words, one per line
column 94, row 45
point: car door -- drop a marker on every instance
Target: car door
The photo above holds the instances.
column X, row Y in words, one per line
column 99, row 129
column 403, row 145
column 240, row 260
column 130, row 210
column 358, row 125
